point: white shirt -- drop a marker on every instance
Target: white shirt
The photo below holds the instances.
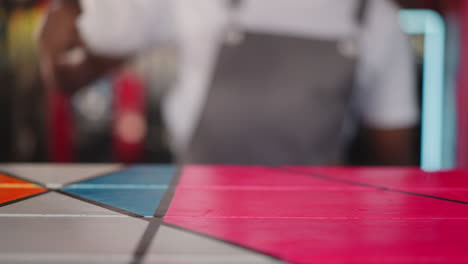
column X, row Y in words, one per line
column 385, row 81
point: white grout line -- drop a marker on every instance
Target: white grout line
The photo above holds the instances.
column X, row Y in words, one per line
column 234, row 217
column 118, row 186
column 54, row 186
column 208, row 258
column 62, row 258
column 64, row 215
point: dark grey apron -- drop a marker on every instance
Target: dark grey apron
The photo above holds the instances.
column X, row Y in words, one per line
column 277, row 100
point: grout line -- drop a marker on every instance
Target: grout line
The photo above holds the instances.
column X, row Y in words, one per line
column 23, row 198
column 118, row 186
column 111, row 258
column 145, row 241
column 382, row 188
column 12, row 175
column 318, row 217
column 153, row 226
column 98, row 175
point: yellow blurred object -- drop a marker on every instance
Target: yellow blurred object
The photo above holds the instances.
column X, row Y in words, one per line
column 25, row 94
column 21, row 44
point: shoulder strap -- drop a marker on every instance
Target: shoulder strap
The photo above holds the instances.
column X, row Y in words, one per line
column 234, row 4
column 361, row 11
column 360, row 14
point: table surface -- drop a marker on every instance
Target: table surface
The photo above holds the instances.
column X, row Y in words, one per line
column 231, row 214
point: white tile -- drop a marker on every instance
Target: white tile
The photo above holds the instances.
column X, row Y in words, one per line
column 177, row 246
column 56, row 175
column 63, row 258
column 54, row 205
column 92, row 238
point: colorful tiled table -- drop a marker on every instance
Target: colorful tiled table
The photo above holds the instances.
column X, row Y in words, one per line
column 231, row 214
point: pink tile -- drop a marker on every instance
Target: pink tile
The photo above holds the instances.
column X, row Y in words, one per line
column 199, row 176
column 342, row 241
column 364, row 203
column 304, row 219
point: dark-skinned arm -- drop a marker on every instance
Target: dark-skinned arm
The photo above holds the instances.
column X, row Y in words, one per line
column 390, row 147
column 66, row 62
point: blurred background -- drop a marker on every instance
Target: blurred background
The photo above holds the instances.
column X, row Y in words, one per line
column 37, row 125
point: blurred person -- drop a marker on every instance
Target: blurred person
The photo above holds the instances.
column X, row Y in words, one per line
column 259, row 81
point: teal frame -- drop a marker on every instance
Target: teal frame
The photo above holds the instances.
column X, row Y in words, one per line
column 435, row 155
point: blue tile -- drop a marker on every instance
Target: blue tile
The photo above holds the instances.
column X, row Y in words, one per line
column 137, row 189
column 142, row 202
column 140, row 174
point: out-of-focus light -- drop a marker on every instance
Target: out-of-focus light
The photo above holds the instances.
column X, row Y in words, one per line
column 430, row 24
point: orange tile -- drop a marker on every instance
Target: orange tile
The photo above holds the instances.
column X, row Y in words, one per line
column 11, row 194
column 12, row 189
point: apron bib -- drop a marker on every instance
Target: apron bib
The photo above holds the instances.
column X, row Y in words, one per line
column 277, row 100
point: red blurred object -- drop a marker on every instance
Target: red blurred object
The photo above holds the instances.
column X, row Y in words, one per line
column 129, row 128
column 129, row 125
column 60, row 128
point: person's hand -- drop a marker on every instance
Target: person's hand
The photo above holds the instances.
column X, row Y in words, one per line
column 57, row 37
column 58, row 32
column 66, row 63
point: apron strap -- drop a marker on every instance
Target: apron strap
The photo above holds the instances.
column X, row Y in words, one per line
column 361, row 12
column 234, row 4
